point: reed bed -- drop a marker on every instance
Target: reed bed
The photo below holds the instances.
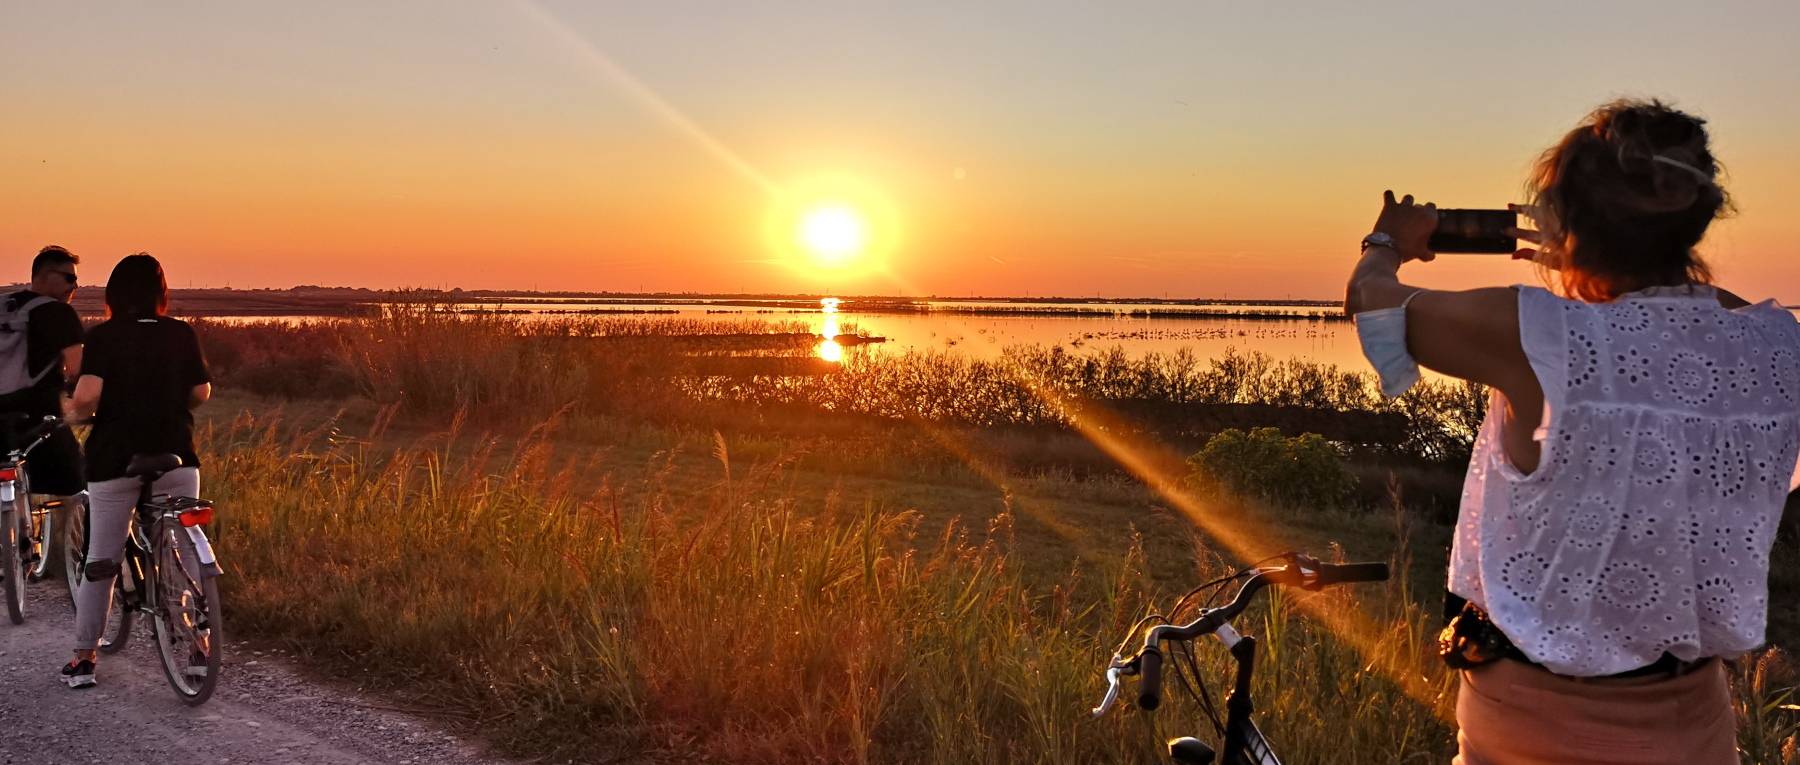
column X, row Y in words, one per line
column 434, row 363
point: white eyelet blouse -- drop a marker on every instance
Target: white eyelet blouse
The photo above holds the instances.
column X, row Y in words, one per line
column 1669, row 441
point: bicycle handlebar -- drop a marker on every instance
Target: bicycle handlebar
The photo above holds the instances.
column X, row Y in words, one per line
column 38, row 434
column 1349, row 573
column 1147, row 662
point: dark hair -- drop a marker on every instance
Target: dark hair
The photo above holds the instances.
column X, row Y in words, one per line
column 137, row 288
column 51, row 256
column 1625, row 196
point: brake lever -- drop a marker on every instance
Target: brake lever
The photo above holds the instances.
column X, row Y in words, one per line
column 1309, row 570
column 1112, row 691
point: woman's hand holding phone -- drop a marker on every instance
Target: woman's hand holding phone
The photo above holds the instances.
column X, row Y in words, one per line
column 1410, row 225
column 1534, row 254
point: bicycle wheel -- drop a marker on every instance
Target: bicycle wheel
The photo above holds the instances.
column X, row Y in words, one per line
column 123, row 612
column 12, row 567
column 74, row 549
column 43, row 539
column 119, row 619
column 116, row 632
column 185, row 615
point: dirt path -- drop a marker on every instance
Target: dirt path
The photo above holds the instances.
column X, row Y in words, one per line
column 263, row 712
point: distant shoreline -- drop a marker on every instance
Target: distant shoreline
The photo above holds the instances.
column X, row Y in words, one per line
column 353, row 301
column 346, row 301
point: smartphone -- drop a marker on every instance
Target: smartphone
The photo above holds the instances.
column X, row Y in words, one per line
column 1473, row 231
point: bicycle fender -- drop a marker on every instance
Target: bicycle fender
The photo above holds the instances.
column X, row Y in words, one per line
column 205, row 551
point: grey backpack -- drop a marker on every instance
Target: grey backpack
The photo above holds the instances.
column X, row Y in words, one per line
column 15, row 372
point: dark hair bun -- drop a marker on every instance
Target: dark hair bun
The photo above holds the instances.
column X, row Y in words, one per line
column 1663, row 159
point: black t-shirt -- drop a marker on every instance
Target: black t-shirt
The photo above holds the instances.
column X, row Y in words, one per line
column 147, row 368
column 51, row 328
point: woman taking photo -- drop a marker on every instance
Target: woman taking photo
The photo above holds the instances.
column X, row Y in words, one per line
column 142, row 374
column 1613, row 539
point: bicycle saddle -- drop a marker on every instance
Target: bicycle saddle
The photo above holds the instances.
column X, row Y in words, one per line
column 151, row 465
column 1188, row 750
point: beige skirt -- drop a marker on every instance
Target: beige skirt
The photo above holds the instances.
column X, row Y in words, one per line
column 1510, row 713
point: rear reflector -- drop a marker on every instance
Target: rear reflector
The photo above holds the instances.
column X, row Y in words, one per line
column 199, row 516
column 9, row 474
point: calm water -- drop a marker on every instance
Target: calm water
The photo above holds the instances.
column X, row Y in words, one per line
column 953, row 328
column 960, row 327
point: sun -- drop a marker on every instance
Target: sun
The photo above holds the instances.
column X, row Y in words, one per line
column 834, row 232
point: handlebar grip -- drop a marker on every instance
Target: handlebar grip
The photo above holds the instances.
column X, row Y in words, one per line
column 1342, row 573
column 1150, row 682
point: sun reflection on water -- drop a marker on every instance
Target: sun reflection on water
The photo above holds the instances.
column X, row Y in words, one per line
column 829, row 349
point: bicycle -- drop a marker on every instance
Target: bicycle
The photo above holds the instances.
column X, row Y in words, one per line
column 169, row 572
column 24, row 527
column 1243, row 743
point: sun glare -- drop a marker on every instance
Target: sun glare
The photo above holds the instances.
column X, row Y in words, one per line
column 834, row 233
column 834, row 230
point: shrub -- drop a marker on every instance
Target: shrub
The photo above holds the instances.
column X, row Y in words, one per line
column 1304, row 470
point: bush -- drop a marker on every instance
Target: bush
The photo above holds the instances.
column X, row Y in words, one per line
column 1305, row 470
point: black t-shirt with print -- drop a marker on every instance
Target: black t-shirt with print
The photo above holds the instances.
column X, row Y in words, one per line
column 147, row 368
column 49, row 330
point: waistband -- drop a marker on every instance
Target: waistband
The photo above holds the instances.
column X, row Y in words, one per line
column 1471, row 639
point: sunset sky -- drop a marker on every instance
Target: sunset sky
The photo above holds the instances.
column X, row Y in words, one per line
column 1123, row 149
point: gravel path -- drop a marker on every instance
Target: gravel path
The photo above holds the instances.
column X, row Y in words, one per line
column 263, row 711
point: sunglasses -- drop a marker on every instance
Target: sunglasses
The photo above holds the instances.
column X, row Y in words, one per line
column 68, row 276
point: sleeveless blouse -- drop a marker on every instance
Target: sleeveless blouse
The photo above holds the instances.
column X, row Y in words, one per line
column 1668, row 446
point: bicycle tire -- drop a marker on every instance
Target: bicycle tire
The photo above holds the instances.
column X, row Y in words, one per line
column 12, row 567
column 175, row 611
column 117, row 631
column 43, row 534
column 120, row 616
column 74, row 549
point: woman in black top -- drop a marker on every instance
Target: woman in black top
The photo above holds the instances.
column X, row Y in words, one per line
column 142, row 374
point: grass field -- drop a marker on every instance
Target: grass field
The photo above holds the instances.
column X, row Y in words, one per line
column 600, row 565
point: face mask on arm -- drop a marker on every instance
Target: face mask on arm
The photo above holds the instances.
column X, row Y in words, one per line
column 1382, row 333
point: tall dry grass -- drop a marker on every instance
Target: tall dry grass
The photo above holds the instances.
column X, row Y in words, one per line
column 750, row 628
column 747, row 628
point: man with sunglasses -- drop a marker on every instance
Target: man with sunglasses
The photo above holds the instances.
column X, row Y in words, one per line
column 52, row 362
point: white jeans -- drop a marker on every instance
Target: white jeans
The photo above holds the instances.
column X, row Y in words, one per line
column 110, row 504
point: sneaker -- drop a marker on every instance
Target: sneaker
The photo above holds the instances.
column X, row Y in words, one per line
column 196, row 665
column 78, row 674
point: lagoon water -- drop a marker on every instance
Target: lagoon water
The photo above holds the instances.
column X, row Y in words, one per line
column 983, row 335
column 983, row 329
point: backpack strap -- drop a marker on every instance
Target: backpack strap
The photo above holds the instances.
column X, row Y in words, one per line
column 16, row 315
column 18, row 322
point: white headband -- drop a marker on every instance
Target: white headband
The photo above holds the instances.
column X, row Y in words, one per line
column 1704, row 177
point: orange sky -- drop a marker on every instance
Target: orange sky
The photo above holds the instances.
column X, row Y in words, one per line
column 1187, row 150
